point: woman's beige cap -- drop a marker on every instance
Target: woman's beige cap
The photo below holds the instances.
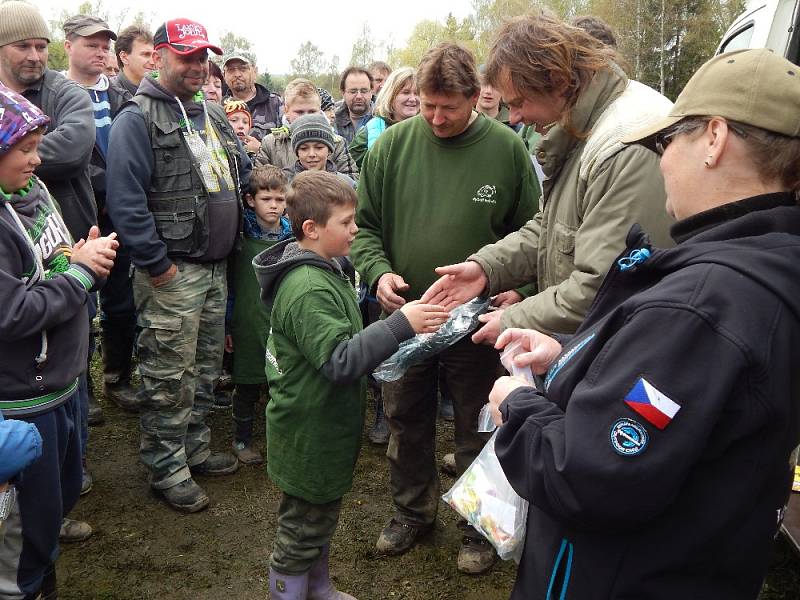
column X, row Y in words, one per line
column 753, row 87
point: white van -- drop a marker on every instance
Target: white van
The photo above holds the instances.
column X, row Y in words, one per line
column 766, row 24
column 773, row 24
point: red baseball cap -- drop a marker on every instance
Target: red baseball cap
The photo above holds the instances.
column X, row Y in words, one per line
column 183, row 36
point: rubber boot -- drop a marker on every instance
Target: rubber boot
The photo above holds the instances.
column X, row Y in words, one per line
column 287, row 587
column 320, row 586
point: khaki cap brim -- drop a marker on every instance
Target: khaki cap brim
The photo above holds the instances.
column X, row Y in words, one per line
column 647, row 136
column 89, row 30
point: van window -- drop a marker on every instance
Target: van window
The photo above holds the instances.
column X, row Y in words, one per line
column 739, row 40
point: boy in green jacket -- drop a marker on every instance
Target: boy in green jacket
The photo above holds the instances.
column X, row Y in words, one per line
column 264, row 226
column 317, row 356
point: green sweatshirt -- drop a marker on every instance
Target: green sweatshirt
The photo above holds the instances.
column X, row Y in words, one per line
column 424, row 202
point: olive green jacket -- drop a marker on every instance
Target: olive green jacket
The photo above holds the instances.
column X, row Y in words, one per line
column 596, row 189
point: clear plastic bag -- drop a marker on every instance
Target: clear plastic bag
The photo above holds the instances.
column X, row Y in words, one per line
column 462, row 321
column 483, row 496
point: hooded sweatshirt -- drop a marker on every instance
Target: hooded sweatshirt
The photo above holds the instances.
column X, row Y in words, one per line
column 317, row 356
column 44, row 326
column 129, row 171
column 656, row 458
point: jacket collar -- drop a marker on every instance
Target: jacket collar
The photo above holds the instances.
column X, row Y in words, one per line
column 558, row 144
column 708, row 219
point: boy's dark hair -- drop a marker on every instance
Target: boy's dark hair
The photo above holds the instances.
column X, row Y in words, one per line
column 353, row 70
column 312, row 196
column 448, row 68
column 266, row 177
column 127, row 36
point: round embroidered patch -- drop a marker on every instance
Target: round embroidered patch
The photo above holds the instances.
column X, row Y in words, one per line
column 628, row 437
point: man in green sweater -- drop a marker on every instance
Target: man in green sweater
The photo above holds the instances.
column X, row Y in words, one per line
column 436, row 186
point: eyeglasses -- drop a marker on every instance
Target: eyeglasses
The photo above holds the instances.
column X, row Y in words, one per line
column 356, row 92
column 665, row 138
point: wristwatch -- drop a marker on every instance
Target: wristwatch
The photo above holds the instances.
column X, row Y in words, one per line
column 7, row 499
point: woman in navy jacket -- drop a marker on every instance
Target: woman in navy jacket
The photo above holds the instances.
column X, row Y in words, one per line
column 656, row 455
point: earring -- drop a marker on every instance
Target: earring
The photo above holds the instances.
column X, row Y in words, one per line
column 708, row 161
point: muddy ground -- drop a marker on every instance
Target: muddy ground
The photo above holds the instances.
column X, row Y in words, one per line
column 141, row 549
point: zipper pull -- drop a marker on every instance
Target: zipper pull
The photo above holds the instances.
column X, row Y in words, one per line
column 636, row 257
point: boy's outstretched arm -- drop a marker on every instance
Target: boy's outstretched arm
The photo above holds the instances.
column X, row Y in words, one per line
column 367, row 349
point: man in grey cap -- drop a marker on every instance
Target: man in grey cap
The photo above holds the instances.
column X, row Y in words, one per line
column 265, row 107
column 88, row 44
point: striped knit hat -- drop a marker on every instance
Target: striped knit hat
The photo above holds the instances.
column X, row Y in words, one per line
column 311, row 128
column 21, row 21
column 18, row 118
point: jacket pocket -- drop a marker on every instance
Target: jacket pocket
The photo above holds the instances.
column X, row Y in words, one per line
column 182, row 224
column 564, row 257
column 172, row 170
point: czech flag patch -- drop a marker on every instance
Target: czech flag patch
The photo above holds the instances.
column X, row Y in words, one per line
column 655, row 407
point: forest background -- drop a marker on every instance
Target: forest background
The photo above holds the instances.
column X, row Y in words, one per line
column 662, row 41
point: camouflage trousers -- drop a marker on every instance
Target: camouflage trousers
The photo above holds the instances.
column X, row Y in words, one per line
column 304, row 529
column 180, row 359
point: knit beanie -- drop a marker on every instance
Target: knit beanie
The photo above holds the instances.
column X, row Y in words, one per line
column 325, row 99
column 18, row 118
column 21, row 21
column 231, row 105
column 311, row 128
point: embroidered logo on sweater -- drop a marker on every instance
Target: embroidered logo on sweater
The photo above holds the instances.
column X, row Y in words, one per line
column 658, row 409
column 486, row 194
column 563, row 360
column 628, row 437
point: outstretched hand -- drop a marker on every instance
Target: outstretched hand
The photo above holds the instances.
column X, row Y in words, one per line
column 424, row 318
column 540, row 349
column 458, row 283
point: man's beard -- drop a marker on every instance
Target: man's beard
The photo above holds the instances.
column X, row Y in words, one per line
column 359, row 110
column 29, row 75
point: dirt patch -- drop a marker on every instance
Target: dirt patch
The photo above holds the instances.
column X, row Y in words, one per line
column 143, row 550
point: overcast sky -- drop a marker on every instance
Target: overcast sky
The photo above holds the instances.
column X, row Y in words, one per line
column 277, row 29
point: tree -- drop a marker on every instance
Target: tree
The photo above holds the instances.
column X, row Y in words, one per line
column 237, row 44
column 363, row 52
column 330, row 80
column 308, row 62
column 265, row 79
column 429, row 33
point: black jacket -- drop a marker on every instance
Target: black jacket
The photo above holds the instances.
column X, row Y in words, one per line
column 626, row 503
column 266, row 109
column 44, row 324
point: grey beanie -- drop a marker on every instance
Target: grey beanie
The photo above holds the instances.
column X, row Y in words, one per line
column 21, row 21
column 311, row 128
